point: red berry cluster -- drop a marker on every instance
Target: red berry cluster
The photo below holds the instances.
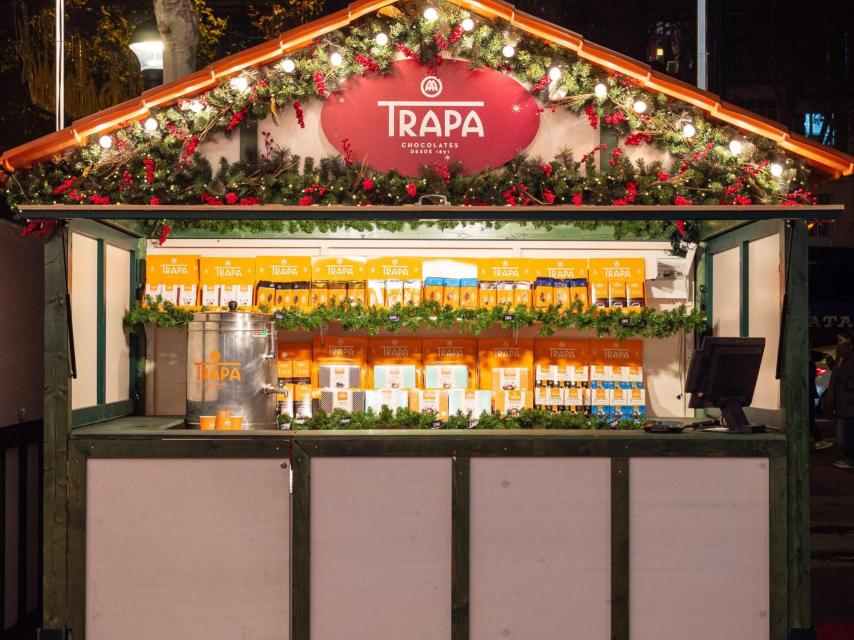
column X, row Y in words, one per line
column 149, row 169
column 348, row 150
column 456, row 34
column 236, row 118
column 441, row 171
column 65, row 186
column 598, row 147
column 315, row 189
column 300, row 114
column 592, row 116
column 615, row 118
column 517, row 195
column 127, row 180
column 541, row 84
column 319, row 84
column 615, row 157
column 637, row 138
column 440, row 41
column 406, row 51
column 96, row 199
column 798, row 197
column 367, row 62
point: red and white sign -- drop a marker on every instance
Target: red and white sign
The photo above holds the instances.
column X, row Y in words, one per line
column 414, row 117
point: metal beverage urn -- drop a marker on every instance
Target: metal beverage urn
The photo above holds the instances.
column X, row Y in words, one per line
column 231, row 366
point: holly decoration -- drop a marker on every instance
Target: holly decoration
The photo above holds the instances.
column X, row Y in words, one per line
column 165, row 166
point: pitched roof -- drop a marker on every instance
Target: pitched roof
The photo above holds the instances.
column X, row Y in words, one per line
column 825, row 158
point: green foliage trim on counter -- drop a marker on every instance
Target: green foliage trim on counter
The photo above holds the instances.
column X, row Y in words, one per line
column 406, row 419
column 617, row 323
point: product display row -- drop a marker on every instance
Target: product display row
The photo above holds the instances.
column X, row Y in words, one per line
column 309, row 282
column 452, row 375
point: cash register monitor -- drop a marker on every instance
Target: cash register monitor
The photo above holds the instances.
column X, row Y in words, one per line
column 723, row 375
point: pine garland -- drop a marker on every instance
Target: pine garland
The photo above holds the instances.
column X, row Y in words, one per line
column 620, row 324
column 407, row 419
column 165, row 167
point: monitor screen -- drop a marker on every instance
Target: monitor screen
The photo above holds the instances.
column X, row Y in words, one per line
column 724, row 370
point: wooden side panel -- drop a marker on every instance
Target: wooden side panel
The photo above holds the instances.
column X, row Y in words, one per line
column 165, row 371
column 187, row 548
column 726, row 292
column 540, row 548
column 380, row 548
column 84, row 305
column 699, row 548
column 117, row 296
column 766, row 285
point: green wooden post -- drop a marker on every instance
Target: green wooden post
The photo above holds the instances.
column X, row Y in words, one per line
column 57, row 421
column 796, row 415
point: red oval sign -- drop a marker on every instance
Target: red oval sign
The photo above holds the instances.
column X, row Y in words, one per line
column 409, row 118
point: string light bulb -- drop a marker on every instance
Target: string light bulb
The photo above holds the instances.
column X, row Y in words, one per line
column 193, row 105
column 508, row 51
column 288, row 65
column 467, row 24
column 150, row 125
column 239, row 83
column 639, row 106
column 776, row 169
column 430, row 14
column 600, row 90
column 555, row 74
column 381, row 39
column 336, row 59
column 735, row 147
column 105, row 141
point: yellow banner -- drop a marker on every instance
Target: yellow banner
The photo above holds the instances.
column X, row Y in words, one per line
column 227, row 271
column 337, row 268
column 283, row 269
column 172, row 270
column 390, row 268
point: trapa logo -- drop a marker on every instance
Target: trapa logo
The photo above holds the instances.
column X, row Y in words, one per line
column 431, row 87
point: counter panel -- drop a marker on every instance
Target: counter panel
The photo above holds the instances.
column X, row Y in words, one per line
column 540, row 548
column 380, row 548
column 699, row 548
column 196, row 549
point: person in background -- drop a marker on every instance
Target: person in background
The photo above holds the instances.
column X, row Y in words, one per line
column 818, row 443
column 840, row 400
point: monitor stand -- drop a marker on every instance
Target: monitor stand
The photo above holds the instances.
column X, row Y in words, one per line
column 733, row 418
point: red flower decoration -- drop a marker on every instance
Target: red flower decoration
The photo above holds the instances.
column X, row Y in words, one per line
column 65, row 186
column 305, row 201
column 549, row 196
column 663, row 177
column 680, row 226
column 231, row 198
column 577, row 199
column 547, row 169
column 368, row 184
column 412, row 189
column 154, row 201
column 682, row 202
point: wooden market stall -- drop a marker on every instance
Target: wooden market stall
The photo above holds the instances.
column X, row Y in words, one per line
column 364, row 139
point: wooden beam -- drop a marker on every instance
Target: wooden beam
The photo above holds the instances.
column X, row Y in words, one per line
column 619, row 549
column 57, row 423
column 460, row 540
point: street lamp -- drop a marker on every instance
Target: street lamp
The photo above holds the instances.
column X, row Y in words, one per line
column 148, row 47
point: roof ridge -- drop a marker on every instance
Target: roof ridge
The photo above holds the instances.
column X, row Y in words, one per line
column 825, row 158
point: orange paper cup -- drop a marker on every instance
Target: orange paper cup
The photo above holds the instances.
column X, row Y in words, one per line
column 208, row 423
column 237, row 423
column 223, row 420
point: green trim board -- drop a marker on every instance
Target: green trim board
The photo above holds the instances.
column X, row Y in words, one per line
column 101, row 311
column 301, row 545
column 620, row 559
column 744, row 304
column 99, row 412
column 460, row 541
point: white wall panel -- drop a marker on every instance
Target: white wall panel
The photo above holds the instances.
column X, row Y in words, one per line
column 117, row 301
column 84, row 311
column 766, row 284
column 726, row 292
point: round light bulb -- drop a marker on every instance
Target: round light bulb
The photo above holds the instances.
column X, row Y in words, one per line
column 430, row 14
column 150, row 125
column 288, row 65
column 555, row 74
column 735, row 147
column 105, row 141
column 467, row 24
column 193, row 105
column 600, row 90
column 776, row 169
column 639, row 106
column 508, row 51
column 689, row 130
column 336, row 59
column 382, row 39
column 239, row 83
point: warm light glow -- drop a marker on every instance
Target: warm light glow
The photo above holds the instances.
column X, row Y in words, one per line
column 659, row 52
column 149, row 53
column 689, row 130
column 430, row 14
column 555, row 74
column 735, row 147
column 382, row 39
column 288, row 65
column 508, row 51
column 150, row 125
column 639, row 106
column 467, row 24
column 106, row 142
column 194, row 105
column 600, row 90
column 336, row 59
column 240, row 83
column 776, row 170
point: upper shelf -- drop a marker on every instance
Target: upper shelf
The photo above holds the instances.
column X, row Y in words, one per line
column 552, row 213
